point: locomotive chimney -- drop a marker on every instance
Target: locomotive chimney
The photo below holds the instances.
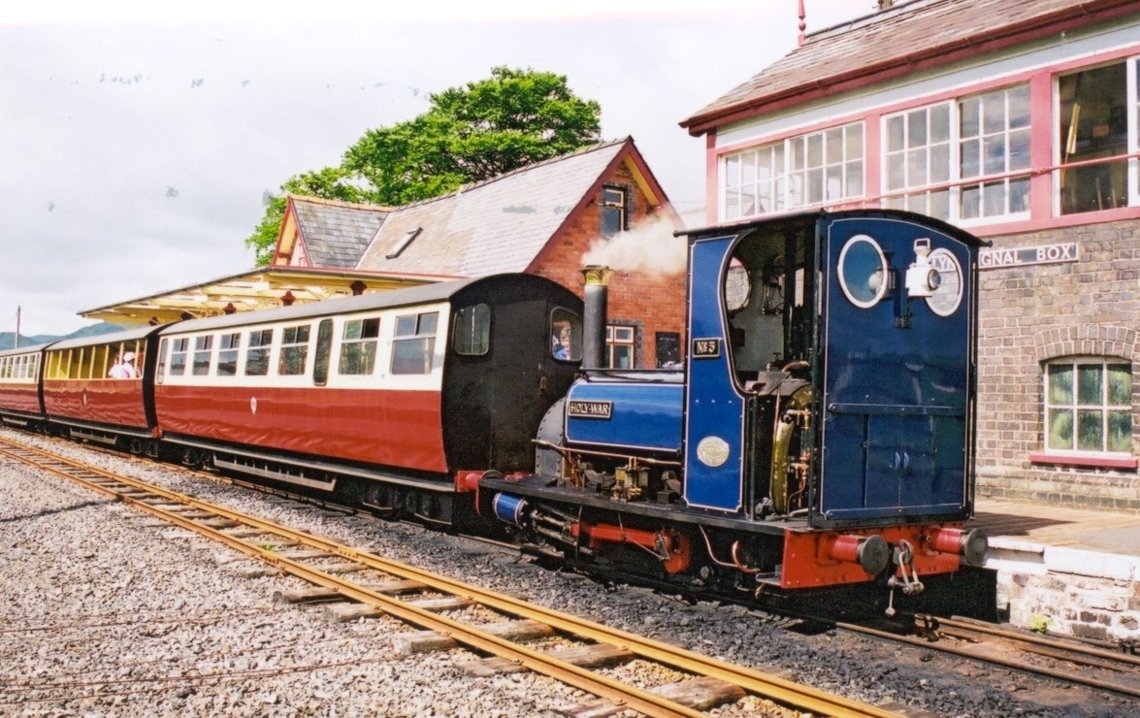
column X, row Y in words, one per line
column 594, row 322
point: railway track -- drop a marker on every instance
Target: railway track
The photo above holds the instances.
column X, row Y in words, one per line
column 341, row 573
column 1065, row 660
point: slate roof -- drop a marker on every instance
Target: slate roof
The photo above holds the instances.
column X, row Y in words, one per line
column 499, row 225
column 896, row 41
column 335, row 234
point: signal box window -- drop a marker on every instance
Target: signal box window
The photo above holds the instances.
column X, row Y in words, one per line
column 473, row 330
column 358, row 346
column 294, row 350
column 228, row 354
column 918, row 155
column 202, row 350
column 1088, row 406
column 414, row 343
column 178, row 349
column 1094, row 134
column 257, row 355
column 963, row 160
column 809, row 169
column 994, row 140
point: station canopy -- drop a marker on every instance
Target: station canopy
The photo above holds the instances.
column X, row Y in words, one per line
column 263, row 288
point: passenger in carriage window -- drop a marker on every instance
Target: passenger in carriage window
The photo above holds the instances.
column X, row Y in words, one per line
column 124, row 367
column 560, row 342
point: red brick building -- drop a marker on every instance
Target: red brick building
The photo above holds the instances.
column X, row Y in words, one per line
column 598, row 205
column 1018, row 120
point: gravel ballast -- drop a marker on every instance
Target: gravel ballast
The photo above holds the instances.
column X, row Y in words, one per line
column 107, row 612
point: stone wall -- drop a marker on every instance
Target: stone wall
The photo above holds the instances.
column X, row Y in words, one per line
column 1069, row 592
column 1032, row 313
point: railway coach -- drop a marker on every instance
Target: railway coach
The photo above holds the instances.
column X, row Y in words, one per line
column 85, row 399
column 384, row 398
column 21, row 402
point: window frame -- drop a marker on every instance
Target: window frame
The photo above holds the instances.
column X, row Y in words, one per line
column 263, row 349
column 229, row 353
column 359, row 343
column 203, row 345
column 179, row 347
column 1075, row 406
column 1061, row 140
column 1132, row 103
column 401, row 361
column 614, row 343
column 783, row 179
column 957, row 184
column 471, row 330
column 563, row 318
column 611, row 206
column 294, row 347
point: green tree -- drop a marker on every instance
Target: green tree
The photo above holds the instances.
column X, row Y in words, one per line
column 468, row 134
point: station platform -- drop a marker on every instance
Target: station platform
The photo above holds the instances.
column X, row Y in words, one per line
column 1064, row 570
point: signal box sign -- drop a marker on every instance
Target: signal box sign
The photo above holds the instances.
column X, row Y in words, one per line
column 1023, row 256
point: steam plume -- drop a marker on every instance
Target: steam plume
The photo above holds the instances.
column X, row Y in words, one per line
column 649, row 247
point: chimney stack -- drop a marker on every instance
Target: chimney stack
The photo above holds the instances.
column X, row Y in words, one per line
column 594, row 322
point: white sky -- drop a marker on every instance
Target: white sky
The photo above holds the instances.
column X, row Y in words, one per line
column 138, row 138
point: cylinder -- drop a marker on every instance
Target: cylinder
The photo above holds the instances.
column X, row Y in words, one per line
column 510, row 509
column 596, row 298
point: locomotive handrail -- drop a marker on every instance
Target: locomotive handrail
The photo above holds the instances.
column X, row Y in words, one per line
column 895, row 409
column 565, row 450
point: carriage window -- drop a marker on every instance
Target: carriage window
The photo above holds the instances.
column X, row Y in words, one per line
column 202, row 350
column 161, row 373
column 414, row 344
column 358, row 346
column 862, row 271
column 228, row 354
column 473, row 330
column 178, row 349
column 294, row 350
column 257, row 355
column 565, row 335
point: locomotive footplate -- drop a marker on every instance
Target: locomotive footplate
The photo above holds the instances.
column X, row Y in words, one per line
column 539, row 487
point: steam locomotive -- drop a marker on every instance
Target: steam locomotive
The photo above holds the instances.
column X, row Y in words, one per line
column 818, row 436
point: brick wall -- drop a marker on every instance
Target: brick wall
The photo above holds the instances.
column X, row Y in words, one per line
column 1031, row 314
column 650, row 300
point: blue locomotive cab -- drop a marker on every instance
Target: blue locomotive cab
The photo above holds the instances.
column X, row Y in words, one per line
column 831, row 369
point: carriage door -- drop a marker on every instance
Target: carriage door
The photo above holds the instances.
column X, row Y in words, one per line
column 896, row 376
